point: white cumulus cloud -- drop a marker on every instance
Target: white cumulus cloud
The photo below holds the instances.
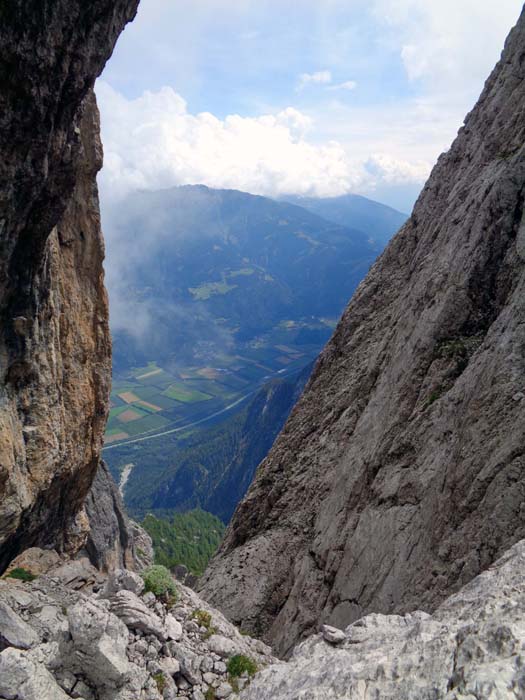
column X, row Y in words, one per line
column 347, row 85
column 320, row 77
column 154, row 142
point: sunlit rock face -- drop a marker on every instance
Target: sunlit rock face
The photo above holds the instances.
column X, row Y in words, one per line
column 54, row 337
column 400, row 474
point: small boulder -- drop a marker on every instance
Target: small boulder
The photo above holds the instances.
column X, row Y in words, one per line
column 14, row 632
column 170, row 666
column 173, row 628
column 332, row 635
column 136, row 615
column 223, row 691
column 23, row 678
column 222, row 646
column 122, row 580
column 99, row 642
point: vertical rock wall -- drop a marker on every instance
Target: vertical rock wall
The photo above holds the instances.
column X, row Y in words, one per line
column 54, row 336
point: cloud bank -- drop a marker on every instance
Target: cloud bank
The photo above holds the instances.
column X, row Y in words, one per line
column 153, row 142
column 418, row 69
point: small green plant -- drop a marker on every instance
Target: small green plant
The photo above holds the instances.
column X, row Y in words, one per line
column 239, row 664
column 434, row 396
column 158, row 580
column 21, row 574
column 210, row 694
column 203, row 619
column 160, row 680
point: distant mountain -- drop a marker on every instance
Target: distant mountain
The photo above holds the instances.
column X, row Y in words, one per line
column 209, row 468
column 377, row 220
column 193, row 269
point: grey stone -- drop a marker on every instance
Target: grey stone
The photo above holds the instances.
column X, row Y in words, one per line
column 14, row 631
column 66, row 680
column 183, row 683
column 109, row 544
column 222, row 646
column 189, row 664
column 78, row 574
column 21, row 678
column 206, row 664
column 332, row 634
column 224, row 690
column 81, row 690
column 173, row 628
column 149, row 598
column 136, row 615
column 99, row 642
column 170, row 666
column 122, row 580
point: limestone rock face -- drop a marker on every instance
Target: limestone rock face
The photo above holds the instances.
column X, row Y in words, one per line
column 472, row 647
column 54, row 339
column 400, row 474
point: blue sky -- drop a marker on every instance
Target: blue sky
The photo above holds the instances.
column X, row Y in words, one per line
column 278, row 96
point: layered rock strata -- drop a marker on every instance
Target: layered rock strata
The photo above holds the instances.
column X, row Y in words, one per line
column 400, row 474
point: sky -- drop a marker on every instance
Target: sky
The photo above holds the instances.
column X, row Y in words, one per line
column 274, row 97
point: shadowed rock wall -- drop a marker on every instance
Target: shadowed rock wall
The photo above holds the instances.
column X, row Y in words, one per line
column 54, row 336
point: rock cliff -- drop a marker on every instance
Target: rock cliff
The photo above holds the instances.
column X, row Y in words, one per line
column 400, row 475
column 54, row 338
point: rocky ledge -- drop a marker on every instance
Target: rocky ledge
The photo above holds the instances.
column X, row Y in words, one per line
column 471, row 648
column 70, row 633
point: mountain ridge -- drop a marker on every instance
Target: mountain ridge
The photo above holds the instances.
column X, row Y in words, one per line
column 378, row 220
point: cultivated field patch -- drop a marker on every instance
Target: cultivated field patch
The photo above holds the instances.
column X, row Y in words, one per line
column 130, row 415
column 115, row 437
column 128, row 396
column 181, row 393
column 149, row 406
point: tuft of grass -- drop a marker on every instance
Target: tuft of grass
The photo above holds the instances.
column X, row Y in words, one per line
column 159, row 581
column 210, row 694
column 203, row 619
column 160, row 680
column 21, row 574
column 239, row 664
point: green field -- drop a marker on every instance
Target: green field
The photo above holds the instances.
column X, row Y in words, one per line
column 154, row 398
column 205, row 291
column 185, row 395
